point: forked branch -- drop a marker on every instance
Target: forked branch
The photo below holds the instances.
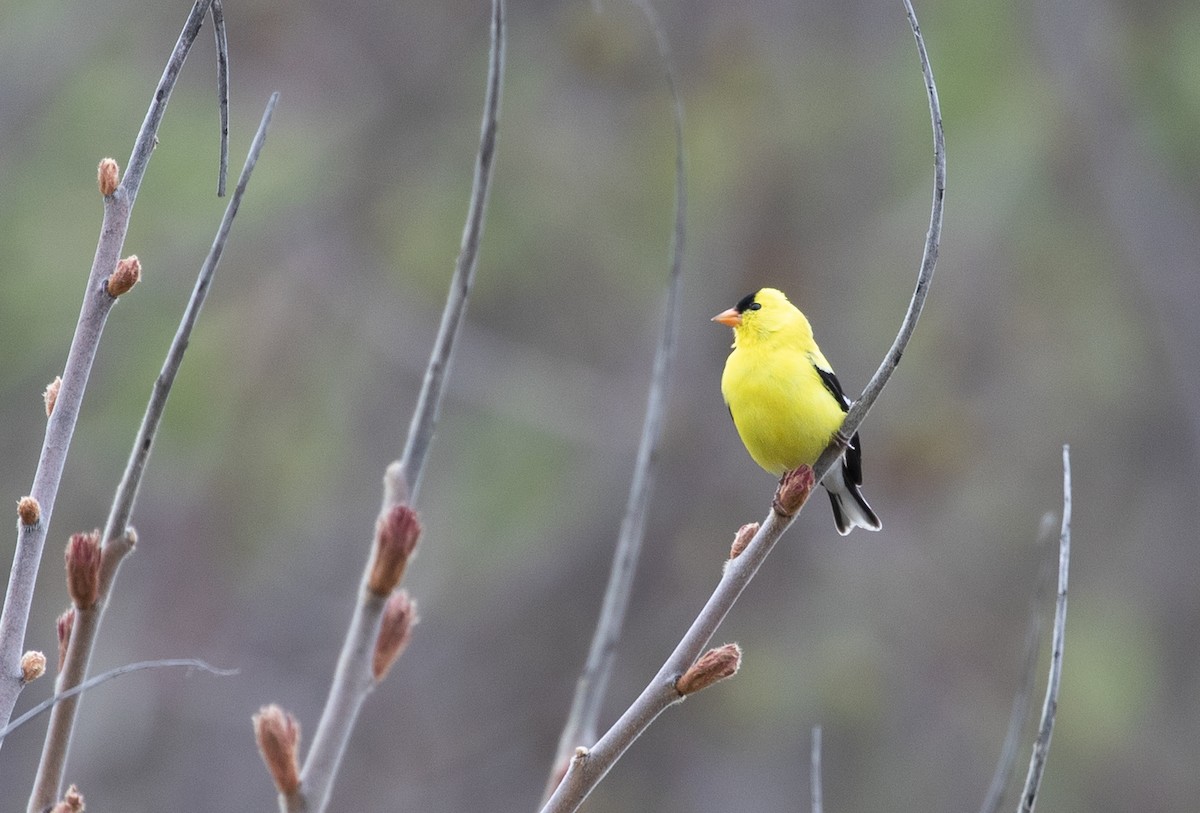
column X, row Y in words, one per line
column 97, row 303
column 118, row 537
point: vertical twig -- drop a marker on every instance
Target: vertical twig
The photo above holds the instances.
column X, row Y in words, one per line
column 218, row 18
column 353, row 678
column 1041, row 746
column 589, row 766
column 814, row 780
column 593, row 681
column 1020, row 704
column 118, row 536
column 429, row 402
column 97, row 303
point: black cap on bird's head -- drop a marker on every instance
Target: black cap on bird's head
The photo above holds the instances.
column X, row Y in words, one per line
column 733, row 316
column 753, row 302
column 747, row 303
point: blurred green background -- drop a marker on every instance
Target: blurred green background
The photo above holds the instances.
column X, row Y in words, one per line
column 1063, row 311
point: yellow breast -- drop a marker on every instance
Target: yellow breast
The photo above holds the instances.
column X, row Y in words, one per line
column 780, row 406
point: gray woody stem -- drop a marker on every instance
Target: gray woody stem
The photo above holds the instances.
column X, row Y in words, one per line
column 589, row 766
column 1041, row 745
column 583, row 718
column 61, row 424
column 814, row 776
column 222, row 42
column 118, row 537
column 353, row 678
column 429, row 402
column 1020, row 704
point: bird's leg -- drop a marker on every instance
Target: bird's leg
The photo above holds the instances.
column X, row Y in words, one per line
column 843, row 442
column 793, row 491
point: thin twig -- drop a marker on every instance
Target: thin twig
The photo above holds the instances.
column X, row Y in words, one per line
column 583, row 718
column 858, row 412
column 353, row 678
column 1041, row 746
column 429, row 402
column 1020, row 704
column 814, row 779
column 117, row 537
column 97, row 304
column 105, row 677
column 122, row 506
column 589, row 766
column 218, row 18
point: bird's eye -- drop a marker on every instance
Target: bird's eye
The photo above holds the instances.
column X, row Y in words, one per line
column 754, row 306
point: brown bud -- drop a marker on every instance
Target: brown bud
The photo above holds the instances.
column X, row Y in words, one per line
column 72, row 802
column 793, row 491
column 108, row 175
column 395, row 631
column 742, row 539
column 29, row 511
column 66, row 622
column 33, row 666
column 714, row 665
column 126, row 275
column 50, row 396
column 396, row 535
column 83, row 569
column 278, row 736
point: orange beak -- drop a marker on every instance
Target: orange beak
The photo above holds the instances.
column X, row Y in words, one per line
column 730, row 317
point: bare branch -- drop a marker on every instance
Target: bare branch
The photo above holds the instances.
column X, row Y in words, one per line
column 118, row 536
column 1041, row 746
column 218, row 18
column 858, row 412
column 593, row 681
column 814, row 779
column 589, row 766
column 105, row 677
column 429, row 403
column 1020, row 703
column 97, row 304
column 147, row 137
column 122, row 506
column 354, row 677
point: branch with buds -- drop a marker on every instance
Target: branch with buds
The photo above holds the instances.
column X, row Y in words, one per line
column 589, row 765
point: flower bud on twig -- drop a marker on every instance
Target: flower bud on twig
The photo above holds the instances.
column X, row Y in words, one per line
column 66, row 622
column 713, row 666
column 396, row 535
column 793, row 491
column 395, row 631
column 742, row 539
column 126, row 275
column 29, row 511
column 72, row 802
column 278, row 736
column 50, row 396
column 107, row 176
column 83, row 569
column 33, row 666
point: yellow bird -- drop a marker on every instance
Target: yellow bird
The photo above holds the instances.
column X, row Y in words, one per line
column 786, row 402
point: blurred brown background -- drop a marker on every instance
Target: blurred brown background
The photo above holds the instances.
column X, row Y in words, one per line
column 1062, row 312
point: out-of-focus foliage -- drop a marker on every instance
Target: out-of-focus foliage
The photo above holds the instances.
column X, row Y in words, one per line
column 809, row 161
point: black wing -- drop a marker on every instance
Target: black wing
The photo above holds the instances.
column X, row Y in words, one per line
column 853, row 458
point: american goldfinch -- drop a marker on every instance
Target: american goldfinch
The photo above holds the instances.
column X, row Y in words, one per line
column 786, row 402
